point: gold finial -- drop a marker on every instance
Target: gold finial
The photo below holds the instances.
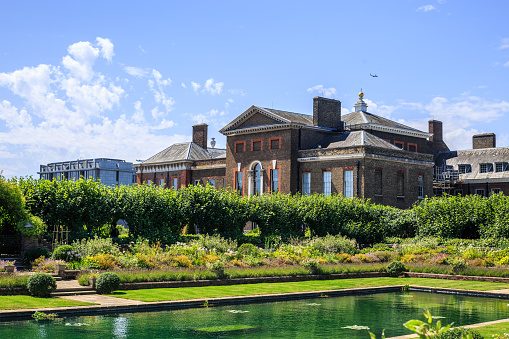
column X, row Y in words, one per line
column 361, row 95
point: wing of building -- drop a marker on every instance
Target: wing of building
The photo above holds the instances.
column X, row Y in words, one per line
column 268, row 150
column 110, row 172
column 482, row 170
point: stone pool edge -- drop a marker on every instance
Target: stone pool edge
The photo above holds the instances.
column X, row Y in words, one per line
column 191, row 303
column 21, row 314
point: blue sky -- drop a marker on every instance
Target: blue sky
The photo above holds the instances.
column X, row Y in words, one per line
column 125, row 79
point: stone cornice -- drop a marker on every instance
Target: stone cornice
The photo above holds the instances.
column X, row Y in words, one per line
column 394, row 130
column 262, row 128
column 361, row 156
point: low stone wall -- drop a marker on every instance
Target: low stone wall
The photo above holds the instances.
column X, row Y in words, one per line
column 455, row 277
column 14, row 291
column 238, row 281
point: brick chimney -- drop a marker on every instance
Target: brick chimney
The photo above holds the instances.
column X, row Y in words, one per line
column 200, row 135
column 327, row 113
column 486, row 140
column 435, row 127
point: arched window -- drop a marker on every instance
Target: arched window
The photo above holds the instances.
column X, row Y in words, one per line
column 257, row 179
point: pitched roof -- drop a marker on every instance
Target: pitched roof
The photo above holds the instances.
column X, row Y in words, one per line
column 281, row 118
column 354, row 138
column 358, row 119
column 290, row 116
column 187, row 151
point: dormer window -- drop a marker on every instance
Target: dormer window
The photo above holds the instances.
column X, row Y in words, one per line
column 500, row 166
column 464, row 168
column 485, row 167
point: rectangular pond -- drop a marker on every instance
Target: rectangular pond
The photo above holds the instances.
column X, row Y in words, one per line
column 327, row 317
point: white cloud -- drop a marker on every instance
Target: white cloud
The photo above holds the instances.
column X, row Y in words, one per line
column 506, row 64
column 156, row 87
column 200, row 118
column 380, row 109
column 196, row 86
column 213, row 88
column 426, row 8
column 91, row 100
column 210, row 87
column 504, row 43
column 81, row 58
column 164, row 124
column 136, row 71
column 106, row 48
column 63, row 109
column 13, row 118
column 325, row 92
column 139, row 114
column 183, row 85
column 237, row 92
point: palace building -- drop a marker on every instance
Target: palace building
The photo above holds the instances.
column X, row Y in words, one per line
column 267, row 150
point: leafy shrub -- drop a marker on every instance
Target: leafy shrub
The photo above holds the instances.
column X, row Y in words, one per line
column 277, row 215
column 66, row 253
column 107, row 282
column 101, row 262
column 30, row 255
column 395, row 268
column 216, row 242
column 334, row 244
column 94, row 246
column 248, row 250
column 84, row 206
column 12, row 206
column 459, row 333
column 458, row 265
column 41, row 284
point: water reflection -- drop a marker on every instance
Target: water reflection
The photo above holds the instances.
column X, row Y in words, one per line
column 320, row 317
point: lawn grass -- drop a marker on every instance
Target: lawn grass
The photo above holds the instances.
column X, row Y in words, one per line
column 185, row 293
column 16, row 302
column 490, row 330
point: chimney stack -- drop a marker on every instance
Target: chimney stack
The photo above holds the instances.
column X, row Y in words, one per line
column 200, row 135
column 327, row 113
column 486, row 140
column 435, row 127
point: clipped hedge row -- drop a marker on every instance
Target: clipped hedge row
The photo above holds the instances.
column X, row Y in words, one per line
column 89, row 208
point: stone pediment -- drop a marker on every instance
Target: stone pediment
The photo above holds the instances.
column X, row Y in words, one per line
column 256, row 117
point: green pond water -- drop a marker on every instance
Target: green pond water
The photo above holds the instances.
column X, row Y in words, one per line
column 305, row 318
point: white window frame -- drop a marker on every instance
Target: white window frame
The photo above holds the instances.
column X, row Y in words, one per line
column 480, row 192
column 239, row 184
column 274, row 180
column 306, row 183
column 420, row 187
column 485, row 167
column 348, row 184
column 326, row 182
